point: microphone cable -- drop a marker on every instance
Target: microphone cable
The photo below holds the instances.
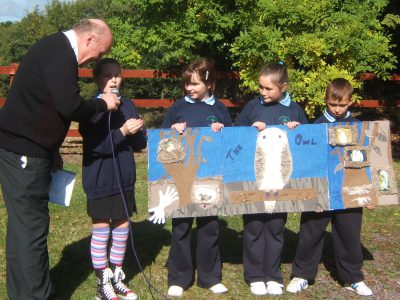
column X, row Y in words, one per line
column 118, row 176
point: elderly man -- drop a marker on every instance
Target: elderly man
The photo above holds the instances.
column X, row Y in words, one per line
column 42, row 101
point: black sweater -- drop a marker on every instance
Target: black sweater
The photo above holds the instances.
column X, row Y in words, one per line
column 43, row 99
column 198, row 114
column 324, row 118
column 270, row 113
column 98, row 171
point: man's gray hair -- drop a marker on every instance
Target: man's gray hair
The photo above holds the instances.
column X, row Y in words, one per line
column 87, row 26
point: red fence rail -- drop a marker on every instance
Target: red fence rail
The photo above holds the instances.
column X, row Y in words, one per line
column 126, row 74
column 151, row 103
column 154, row 103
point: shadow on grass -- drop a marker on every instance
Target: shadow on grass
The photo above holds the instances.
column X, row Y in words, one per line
column 73, row 268
column 75, row 265
column 230, row 243
column 149, row 239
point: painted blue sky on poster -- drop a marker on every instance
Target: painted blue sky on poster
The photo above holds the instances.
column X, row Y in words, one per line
column 231, row 153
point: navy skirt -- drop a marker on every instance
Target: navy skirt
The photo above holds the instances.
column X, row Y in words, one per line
column 112, row 207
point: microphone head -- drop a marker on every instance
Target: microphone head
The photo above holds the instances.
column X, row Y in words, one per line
column 115, row 91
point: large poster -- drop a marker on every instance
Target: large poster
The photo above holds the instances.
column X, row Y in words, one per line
column 240, row 170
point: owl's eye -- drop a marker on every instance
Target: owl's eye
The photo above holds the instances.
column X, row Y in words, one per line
column 279, row 136
column 264, row 137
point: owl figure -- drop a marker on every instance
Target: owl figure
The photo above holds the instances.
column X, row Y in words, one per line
column 356, row 155
column 383, row 181
column 272, row 164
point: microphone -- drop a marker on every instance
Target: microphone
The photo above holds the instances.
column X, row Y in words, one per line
column 115, row 91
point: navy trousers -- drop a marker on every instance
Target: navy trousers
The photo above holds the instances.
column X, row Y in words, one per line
column 208, row 260
column 346, row 229
column 263, row 240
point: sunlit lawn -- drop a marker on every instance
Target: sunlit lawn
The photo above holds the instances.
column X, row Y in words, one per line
column 73, row 278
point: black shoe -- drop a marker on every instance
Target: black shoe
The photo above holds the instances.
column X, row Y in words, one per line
column 105, row 290
column 119, row 287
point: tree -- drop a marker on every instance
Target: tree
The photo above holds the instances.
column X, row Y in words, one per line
column 167, row 35
column 391, row 19
column 317, row 40
column 173, row 32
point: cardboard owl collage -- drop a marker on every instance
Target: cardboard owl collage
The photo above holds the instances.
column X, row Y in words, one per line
column 242, row 171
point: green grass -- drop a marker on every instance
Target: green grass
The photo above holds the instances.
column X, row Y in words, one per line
column 73, row 278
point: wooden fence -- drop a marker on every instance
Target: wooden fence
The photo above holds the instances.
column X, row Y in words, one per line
column 127, row 74
column 154, row 103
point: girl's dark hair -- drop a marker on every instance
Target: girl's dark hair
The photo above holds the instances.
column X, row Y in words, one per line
column 277, row 70
column 339, row 89
column 206, row 71
column 99, row 67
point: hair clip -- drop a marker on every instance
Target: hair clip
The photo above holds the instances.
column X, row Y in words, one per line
column 206, row 75
column 281, row 63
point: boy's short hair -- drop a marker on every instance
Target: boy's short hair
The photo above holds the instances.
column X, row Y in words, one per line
column 339, row 89
column 99, row 67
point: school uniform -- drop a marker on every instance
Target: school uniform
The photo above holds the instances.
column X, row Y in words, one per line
column 208, row 261
column 263, row 234
column 101, row 157
column 346, row 232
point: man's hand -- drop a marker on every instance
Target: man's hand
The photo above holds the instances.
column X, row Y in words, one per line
column 132, row 126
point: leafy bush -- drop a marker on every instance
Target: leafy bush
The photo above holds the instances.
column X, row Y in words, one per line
column 318, row 41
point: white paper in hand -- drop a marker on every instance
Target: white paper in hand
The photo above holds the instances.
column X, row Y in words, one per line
column 61, row 186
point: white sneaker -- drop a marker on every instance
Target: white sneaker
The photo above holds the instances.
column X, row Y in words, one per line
column 258, row 288
column 274, row 288
column 175, row 291
column 360, row 288
column 296, row 285
column 218, row 289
